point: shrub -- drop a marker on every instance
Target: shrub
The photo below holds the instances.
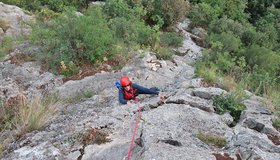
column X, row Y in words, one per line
column 164, row 53
column 173, row 10
column 26, row 4
column 258, row 9
column 211, row 139
column 250, row 37
column 224, row 61
column 208, row 71
column 124, row 29
column 227, row 83
column 46, row 14
column 165, row 12
column 119, row 8
column 134, row 32
column 234, row 9
column 55, row 5
column 273, row 95
column 202, row 14
column 276, row 123
column 68, row 69
column 265, row 59
column 146, row 35
column 228, row 104
column 171, row 39
column 229, row 42
column 260, row 82
column 226, row 25
column 72, row 38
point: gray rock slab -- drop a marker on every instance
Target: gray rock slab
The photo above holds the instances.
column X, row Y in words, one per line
column 208, row 93
column 179, row 123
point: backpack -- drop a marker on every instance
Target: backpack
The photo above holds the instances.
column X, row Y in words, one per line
column 118, row 84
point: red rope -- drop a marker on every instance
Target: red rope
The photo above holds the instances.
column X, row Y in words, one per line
column 134, row 132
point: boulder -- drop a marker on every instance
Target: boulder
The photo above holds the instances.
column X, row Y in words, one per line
column 14, row 18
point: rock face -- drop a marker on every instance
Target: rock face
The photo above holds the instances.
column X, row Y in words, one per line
column 189, row 49
column 25, row 80
column 13, row 21
column 167, row 130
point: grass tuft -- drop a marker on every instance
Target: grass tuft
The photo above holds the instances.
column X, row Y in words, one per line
column 211, row 139
column 35, row 114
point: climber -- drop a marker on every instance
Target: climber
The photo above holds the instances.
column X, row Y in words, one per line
column 128, row 90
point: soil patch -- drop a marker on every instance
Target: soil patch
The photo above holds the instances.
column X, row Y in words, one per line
column 275, row 139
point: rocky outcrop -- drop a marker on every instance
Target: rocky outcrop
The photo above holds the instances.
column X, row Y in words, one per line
column 13, row 21
column 189, row 49
column 25, row 80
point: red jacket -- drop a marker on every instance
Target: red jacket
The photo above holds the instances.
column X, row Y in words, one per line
column 131, row 94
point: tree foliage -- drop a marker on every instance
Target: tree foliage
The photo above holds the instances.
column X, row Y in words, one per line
column 258, row 9
column 55, row 5
column 162, row 12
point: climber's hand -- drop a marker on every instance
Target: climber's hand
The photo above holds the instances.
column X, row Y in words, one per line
column 162, row 97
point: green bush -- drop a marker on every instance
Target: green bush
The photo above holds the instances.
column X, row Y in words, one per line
column 248, row 52
column 164, row 12
column 46, row 14
column 273, row 96
column 260, row 82
column 203, row 14
column 134, row 31
column 258, row 9
column 173, row 10
column 233, row 9
column 73, row 38
column 228, row 104
column 276, row 123
column 124, row 29
column 55, row 5
column 68, row 69
column 226, row 25
column 127, row 25
column 164, row 53
column 207, row 70
column 146, row 35
column 265, row 59
column 268, row 36
column 6, row 46
column 119, row 8
column 229, row 42
column 171, row 39
column 250, row 37
column 224, row 61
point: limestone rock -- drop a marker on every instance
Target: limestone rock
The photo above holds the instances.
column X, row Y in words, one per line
column 208, row 93
column 15, row 19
